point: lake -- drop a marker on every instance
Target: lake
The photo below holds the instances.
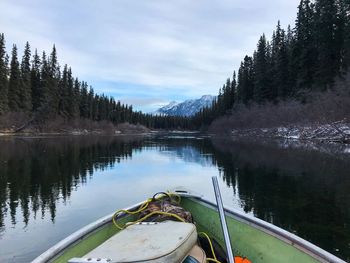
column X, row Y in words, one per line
column 52, row 186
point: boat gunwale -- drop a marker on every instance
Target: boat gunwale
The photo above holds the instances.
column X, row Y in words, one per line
column 283, row 235
column 268, row 228
column 57, row 249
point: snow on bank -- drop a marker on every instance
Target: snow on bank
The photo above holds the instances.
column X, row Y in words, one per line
column 332, row 132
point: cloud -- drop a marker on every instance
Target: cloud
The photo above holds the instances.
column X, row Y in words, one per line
column 165, row 46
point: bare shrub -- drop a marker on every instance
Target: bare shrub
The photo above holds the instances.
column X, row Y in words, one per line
column 60, row 124
column 9, row 122
column 322, row 108
column 131, row 128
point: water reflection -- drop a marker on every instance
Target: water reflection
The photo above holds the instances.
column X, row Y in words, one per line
column 36, row 173
column 301, row 190
column 304, row 191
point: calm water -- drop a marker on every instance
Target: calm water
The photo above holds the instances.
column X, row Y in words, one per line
column 50, row 187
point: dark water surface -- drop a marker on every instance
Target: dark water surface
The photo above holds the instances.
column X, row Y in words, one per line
column 50, row 187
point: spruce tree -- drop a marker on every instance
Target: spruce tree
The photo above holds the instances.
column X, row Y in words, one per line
column 227, row 95
column 3, row 76
column 53, row 81
column 328, row 63
column 100, row 108
column 63, row 93
column 45, row 83
column 233, row 89
column 90, row 105
column 77, row 97
column 281, row 76
column 72, row 103
column 245, row 87
column 263, row 91
column 14, row 91
column 240, row 88
column 83, row 104
column 220, row 110
column 345, row 9
column 26, row 89
column 274, row 67
column 37, row 94
column 305, row 53
column 293, row 64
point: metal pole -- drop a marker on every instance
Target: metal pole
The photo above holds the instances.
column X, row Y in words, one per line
column 223, row 219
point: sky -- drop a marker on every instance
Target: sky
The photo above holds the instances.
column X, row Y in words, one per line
column 146, row 52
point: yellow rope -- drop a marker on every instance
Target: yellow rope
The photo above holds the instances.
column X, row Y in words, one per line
column 175, row 194
column 156, row 213
column 210, row 244
column 143, row 206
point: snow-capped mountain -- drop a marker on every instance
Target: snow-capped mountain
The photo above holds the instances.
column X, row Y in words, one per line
column 186, row 108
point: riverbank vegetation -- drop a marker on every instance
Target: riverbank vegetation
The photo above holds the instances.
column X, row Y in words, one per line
column 300, row 76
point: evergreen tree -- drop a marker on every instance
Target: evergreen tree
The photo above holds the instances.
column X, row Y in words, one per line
column 45, row 98
column 63, row 93
column 3, row 76
column 305, row 53
column 72, row 100
column 83, row 104
column 117, row 113
column 281, row 76
column 274, row 67
column 240, row 86
column 328, row 63
column 50, row 77
column 263, row 91
column 37, row 94
column 92, row 112
column 345, row 15
column 220, row 109
column 245, row 88
column 293, row 64
column 227, row 95
column 26, row 89
column 53, row 81
column 77, row 97
column 233, row 89
column 14, row 96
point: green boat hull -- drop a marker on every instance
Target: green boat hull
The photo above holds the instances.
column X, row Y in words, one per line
column 246, row 241
column 252, row 238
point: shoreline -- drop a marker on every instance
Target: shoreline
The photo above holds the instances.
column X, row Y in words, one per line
column 76, row 130
column 85, row 132
column 73, row 133
column 327, row 133
column 337, row 132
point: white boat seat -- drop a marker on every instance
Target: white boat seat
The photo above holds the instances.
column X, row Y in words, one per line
column 167, row 241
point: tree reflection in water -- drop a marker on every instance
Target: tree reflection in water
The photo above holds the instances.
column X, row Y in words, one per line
column 34, row 174
column 303, row 191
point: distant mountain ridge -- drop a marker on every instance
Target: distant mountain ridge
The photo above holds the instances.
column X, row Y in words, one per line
column 186, row 108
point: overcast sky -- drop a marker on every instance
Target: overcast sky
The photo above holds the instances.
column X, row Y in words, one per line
column 146, row 52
